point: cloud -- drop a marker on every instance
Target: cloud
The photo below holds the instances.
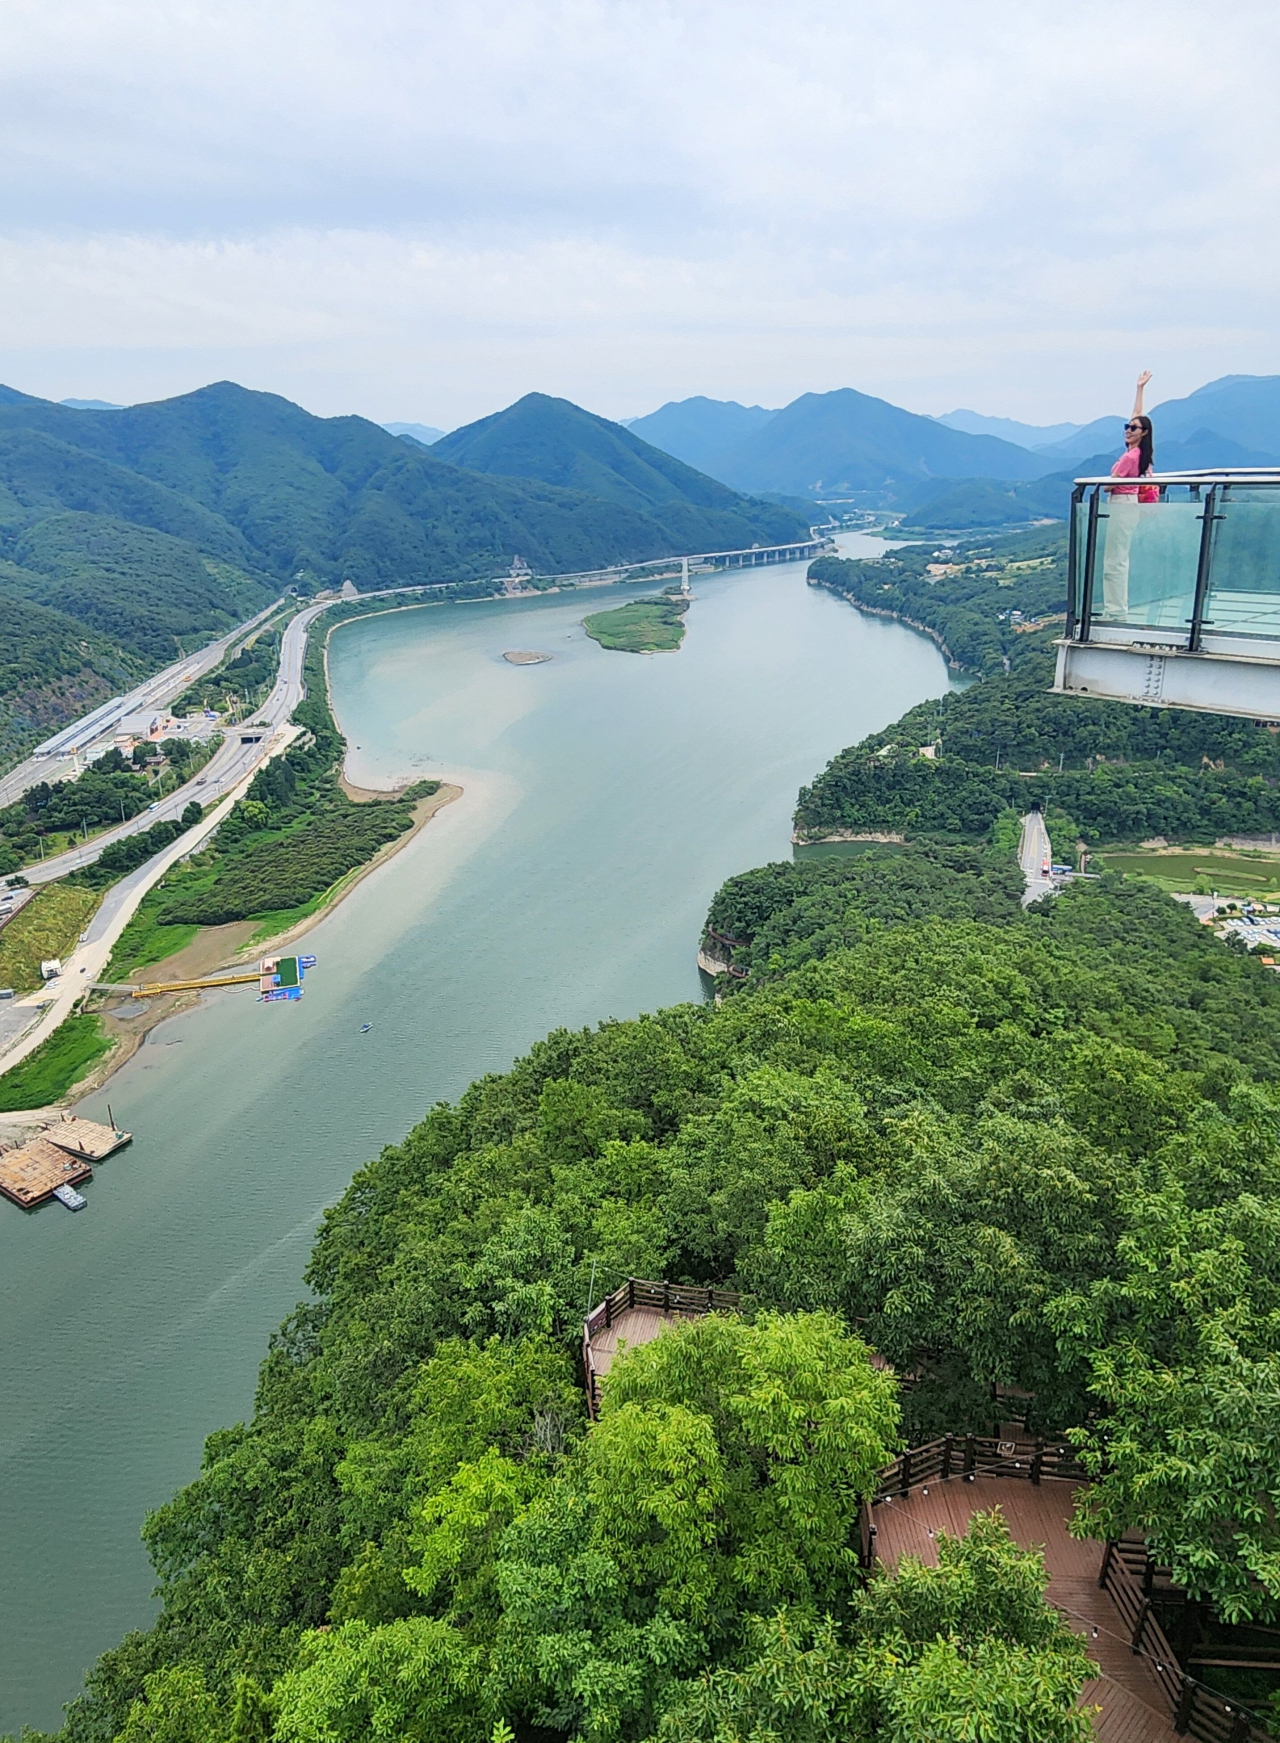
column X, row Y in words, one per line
column 423, row 210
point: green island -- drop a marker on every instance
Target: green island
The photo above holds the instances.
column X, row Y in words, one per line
column 1027, row 1159
column 641, row 626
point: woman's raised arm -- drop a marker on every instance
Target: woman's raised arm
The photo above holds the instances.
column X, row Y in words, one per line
column 1143, row 379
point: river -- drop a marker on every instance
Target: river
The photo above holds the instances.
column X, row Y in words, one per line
column 607, row 795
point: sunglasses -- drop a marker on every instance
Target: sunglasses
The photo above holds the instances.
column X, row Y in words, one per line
column 1133, row 426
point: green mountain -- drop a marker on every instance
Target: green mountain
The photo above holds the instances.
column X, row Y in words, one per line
column 841, row 443
column 557, row 442
column 144, row 530
column 698, row 430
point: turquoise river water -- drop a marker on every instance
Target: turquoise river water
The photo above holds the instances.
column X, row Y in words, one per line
column 606, row 797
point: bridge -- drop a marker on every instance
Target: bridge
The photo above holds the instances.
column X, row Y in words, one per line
column 1176, row 603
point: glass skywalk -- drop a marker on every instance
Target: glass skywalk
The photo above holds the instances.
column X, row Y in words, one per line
column 1177, row 600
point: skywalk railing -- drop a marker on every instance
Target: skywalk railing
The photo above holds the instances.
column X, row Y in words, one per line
column 1195, row 570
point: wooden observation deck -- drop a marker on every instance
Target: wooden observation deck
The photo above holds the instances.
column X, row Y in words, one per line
column 1102, row 1591
column 635, row 1314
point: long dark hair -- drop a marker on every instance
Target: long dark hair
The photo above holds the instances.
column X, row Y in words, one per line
column 1146, row 445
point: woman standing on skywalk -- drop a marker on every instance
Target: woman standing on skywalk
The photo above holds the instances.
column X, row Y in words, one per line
column 1125, row 506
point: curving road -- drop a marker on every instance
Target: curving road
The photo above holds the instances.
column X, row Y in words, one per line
column 245, row 748
column 1036, row 858
column 60, row 761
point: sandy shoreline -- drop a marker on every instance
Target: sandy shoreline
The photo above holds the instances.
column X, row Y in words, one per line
column 216, row 948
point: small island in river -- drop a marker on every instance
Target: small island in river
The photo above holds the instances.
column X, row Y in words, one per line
column 525, row 657
column 642, row 626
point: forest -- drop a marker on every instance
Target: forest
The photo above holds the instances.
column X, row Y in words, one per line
column 109, row 791
column 952, row 770
column 1036, row 1148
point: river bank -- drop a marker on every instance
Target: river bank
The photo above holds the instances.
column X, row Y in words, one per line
column 569, row 888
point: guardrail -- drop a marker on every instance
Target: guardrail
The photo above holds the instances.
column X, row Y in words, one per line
column 1197, row 1711
column 1127, row 1574
column 685, row 1298
column 968, row 1455
column 1199, row 562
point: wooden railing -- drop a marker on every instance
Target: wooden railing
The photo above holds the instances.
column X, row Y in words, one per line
column 665, row 1297
column 1197, row 1711
column 967, row 1455
column 1128, row 1573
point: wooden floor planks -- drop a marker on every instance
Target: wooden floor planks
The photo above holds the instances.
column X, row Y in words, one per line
column 1134, row 1709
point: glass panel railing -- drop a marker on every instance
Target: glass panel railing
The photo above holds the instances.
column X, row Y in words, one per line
column 1244, row 574
column 1079, row 546
column 1145, row 563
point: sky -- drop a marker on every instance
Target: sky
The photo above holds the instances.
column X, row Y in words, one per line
column 420, row 211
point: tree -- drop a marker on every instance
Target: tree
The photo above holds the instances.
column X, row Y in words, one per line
column 963, row 1651
column 410, row 1681
column 177, row 1707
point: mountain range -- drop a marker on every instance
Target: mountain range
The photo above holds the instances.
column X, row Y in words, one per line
column 129, row 534
column 852, row 446
column 558, row 443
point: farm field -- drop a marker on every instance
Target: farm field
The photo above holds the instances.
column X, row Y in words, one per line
column 1201, row 870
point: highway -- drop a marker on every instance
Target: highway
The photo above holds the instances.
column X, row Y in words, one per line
column 58, row 759
column 225, row 770
column 1035, row 856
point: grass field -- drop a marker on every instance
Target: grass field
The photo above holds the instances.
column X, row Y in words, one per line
column 643, row 626
column 1200, row 870
column 145, row 941
column 47, row 1074
column 49, row 925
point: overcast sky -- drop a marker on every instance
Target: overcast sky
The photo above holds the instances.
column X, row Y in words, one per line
column 421, row 211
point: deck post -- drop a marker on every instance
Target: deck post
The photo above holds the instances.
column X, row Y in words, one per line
column 1240, row 1730
column 1107, row 1554
column 1036, row 1462
column 1203, row 567
column 970, row 1455
column 1140, row 1626
column 1186, row 1701
column 905, row 1464
column 947, row 1445
column 1090, row 560
column 666, row 1296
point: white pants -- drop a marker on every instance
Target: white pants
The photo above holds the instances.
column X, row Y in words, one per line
column 1122, row 523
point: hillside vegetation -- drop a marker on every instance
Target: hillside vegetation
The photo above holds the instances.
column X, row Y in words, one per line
column 559, row 443
column 1104, row 772
column 130, row 536
column 1030, row 1120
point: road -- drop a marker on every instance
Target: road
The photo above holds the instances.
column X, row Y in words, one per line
column 96, row 730
column 225, row 770
column 1035, row 856
column 54, row 1001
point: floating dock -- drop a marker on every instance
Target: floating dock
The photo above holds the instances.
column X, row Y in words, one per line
column 86, row 1138
column 30, row 1174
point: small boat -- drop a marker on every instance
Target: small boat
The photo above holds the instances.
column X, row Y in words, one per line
column 70, row 1197
column 365, row 1028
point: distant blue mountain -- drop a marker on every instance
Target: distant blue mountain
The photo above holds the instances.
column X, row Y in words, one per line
column 698, row 430
column 848, row 444
column 1009, row 429
column 91, row 405
column 1088, row 439
column 1243, row 408
column 978, row 502
column 426, row 434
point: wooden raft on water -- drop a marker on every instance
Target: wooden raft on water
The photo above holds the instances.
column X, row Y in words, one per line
column 59, row 1156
